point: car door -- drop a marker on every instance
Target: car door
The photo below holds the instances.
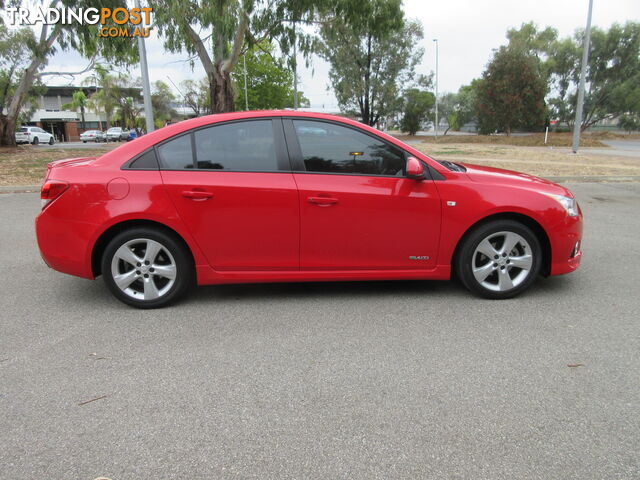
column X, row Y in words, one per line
column 232, row 186
column 357, row 208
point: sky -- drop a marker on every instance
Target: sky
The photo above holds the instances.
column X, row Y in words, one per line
column 467, row 32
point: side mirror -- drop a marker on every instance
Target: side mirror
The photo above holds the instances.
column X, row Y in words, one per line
column 415, row 169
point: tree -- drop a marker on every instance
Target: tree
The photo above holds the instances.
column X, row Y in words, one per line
column 196, row 96
column 44, row 43
column 371, row 58
column 459, row 108
column 511, row 93
column 80, row 102
column 613, row 81
column 226, row 28
column 13, row 60
column 269, row 81
column 107, row 92
column 629, row 123
column 417, row 104
column 162, row 100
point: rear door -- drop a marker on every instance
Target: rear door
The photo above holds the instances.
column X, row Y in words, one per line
column 233, row 187
column 358, row 210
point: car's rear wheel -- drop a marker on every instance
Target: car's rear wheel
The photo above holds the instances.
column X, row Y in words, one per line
column 147, row 268
column 499, row 259
column 35, row 141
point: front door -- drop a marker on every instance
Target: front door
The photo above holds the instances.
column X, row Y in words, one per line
column 358, row 211
column 232, row 186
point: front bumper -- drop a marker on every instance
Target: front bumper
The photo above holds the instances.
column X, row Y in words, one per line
column 566, row 245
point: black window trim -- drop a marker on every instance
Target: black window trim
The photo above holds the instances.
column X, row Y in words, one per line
column 282, row 158
column 295, row 151
column 128, row 165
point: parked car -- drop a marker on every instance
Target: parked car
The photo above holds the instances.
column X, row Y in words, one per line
column 133, row 134
column 287, row 196
column 115, row 134
column 33, row 135
column 93, row 136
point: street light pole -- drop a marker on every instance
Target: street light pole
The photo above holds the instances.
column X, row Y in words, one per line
column 295, row 67
column 146, row 88
column 583, row 73
column 436, row 124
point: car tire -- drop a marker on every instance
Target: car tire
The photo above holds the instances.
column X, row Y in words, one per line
column 51, row 141
column 137, row 283
column 35, row 141
column 499, row 259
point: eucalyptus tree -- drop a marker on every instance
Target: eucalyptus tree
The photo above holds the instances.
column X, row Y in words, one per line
column 372, row 55
column 218, row 33
column 42, row 42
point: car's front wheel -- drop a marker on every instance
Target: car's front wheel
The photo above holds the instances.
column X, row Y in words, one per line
column 499, row 259
column 51, row 141
column 147, row 268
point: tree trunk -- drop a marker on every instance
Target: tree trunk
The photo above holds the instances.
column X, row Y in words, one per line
column 7, row 131
column 221, row 92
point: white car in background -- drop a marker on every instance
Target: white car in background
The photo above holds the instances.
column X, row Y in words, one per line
column 116, row 134
column 93, row 136
column 33, row 135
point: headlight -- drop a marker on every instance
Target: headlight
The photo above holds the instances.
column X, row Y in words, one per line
column 568, row 203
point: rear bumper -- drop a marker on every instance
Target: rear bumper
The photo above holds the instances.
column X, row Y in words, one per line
column 64, row 244
column 566, row 246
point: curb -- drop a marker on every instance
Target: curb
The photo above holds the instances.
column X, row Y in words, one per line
column 19, row 188
column 596, row 178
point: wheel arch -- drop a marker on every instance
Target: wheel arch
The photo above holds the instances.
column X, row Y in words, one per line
column 106, row 236
column 536, row 228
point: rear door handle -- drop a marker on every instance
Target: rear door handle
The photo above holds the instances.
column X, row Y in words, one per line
column 323, row 201
column 197, row 195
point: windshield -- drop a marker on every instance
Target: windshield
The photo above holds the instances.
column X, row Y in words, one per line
column 115, row 130
column 454, row 167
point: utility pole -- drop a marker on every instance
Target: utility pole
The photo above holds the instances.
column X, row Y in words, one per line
column 583, row 73
column 246, row 95
column 146, row 88
column 436, row 124
column 295, row 67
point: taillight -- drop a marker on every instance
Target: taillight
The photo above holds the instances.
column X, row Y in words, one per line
column 51, row 190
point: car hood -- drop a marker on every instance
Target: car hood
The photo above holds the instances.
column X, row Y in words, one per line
column 499, row 176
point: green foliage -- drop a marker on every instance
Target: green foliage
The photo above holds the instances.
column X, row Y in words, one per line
column 46, row 40
column 196, row 96
column 417, row 106
column 629, row 122
column 511, row 93
column 79, row 102
column 371, row 56
column 227, row 28
column 459, row 108
column 162, row 99
column 269, row 81
column 105, row 99
column 613, row 81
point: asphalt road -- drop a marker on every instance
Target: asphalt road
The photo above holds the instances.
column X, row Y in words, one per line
column 355, row 380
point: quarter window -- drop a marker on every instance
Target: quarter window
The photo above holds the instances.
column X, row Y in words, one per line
column 329, row 148
column 241, row 146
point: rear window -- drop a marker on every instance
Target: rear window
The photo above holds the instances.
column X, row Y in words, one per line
column 24, row 129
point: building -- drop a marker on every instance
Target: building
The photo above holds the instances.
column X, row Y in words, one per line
column 66, row 125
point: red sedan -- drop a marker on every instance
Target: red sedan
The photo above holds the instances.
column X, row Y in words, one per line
column 282, row 196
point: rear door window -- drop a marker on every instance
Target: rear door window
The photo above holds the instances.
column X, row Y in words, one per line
column 240, row 146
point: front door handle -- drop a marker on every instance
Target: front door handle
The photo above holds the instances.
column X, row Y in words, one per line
column 197, row 195
column 323, row 201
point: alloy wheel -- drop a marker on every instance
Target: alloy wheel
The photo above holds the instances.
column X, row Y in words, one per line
column 143, row 269
column 502, row 261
